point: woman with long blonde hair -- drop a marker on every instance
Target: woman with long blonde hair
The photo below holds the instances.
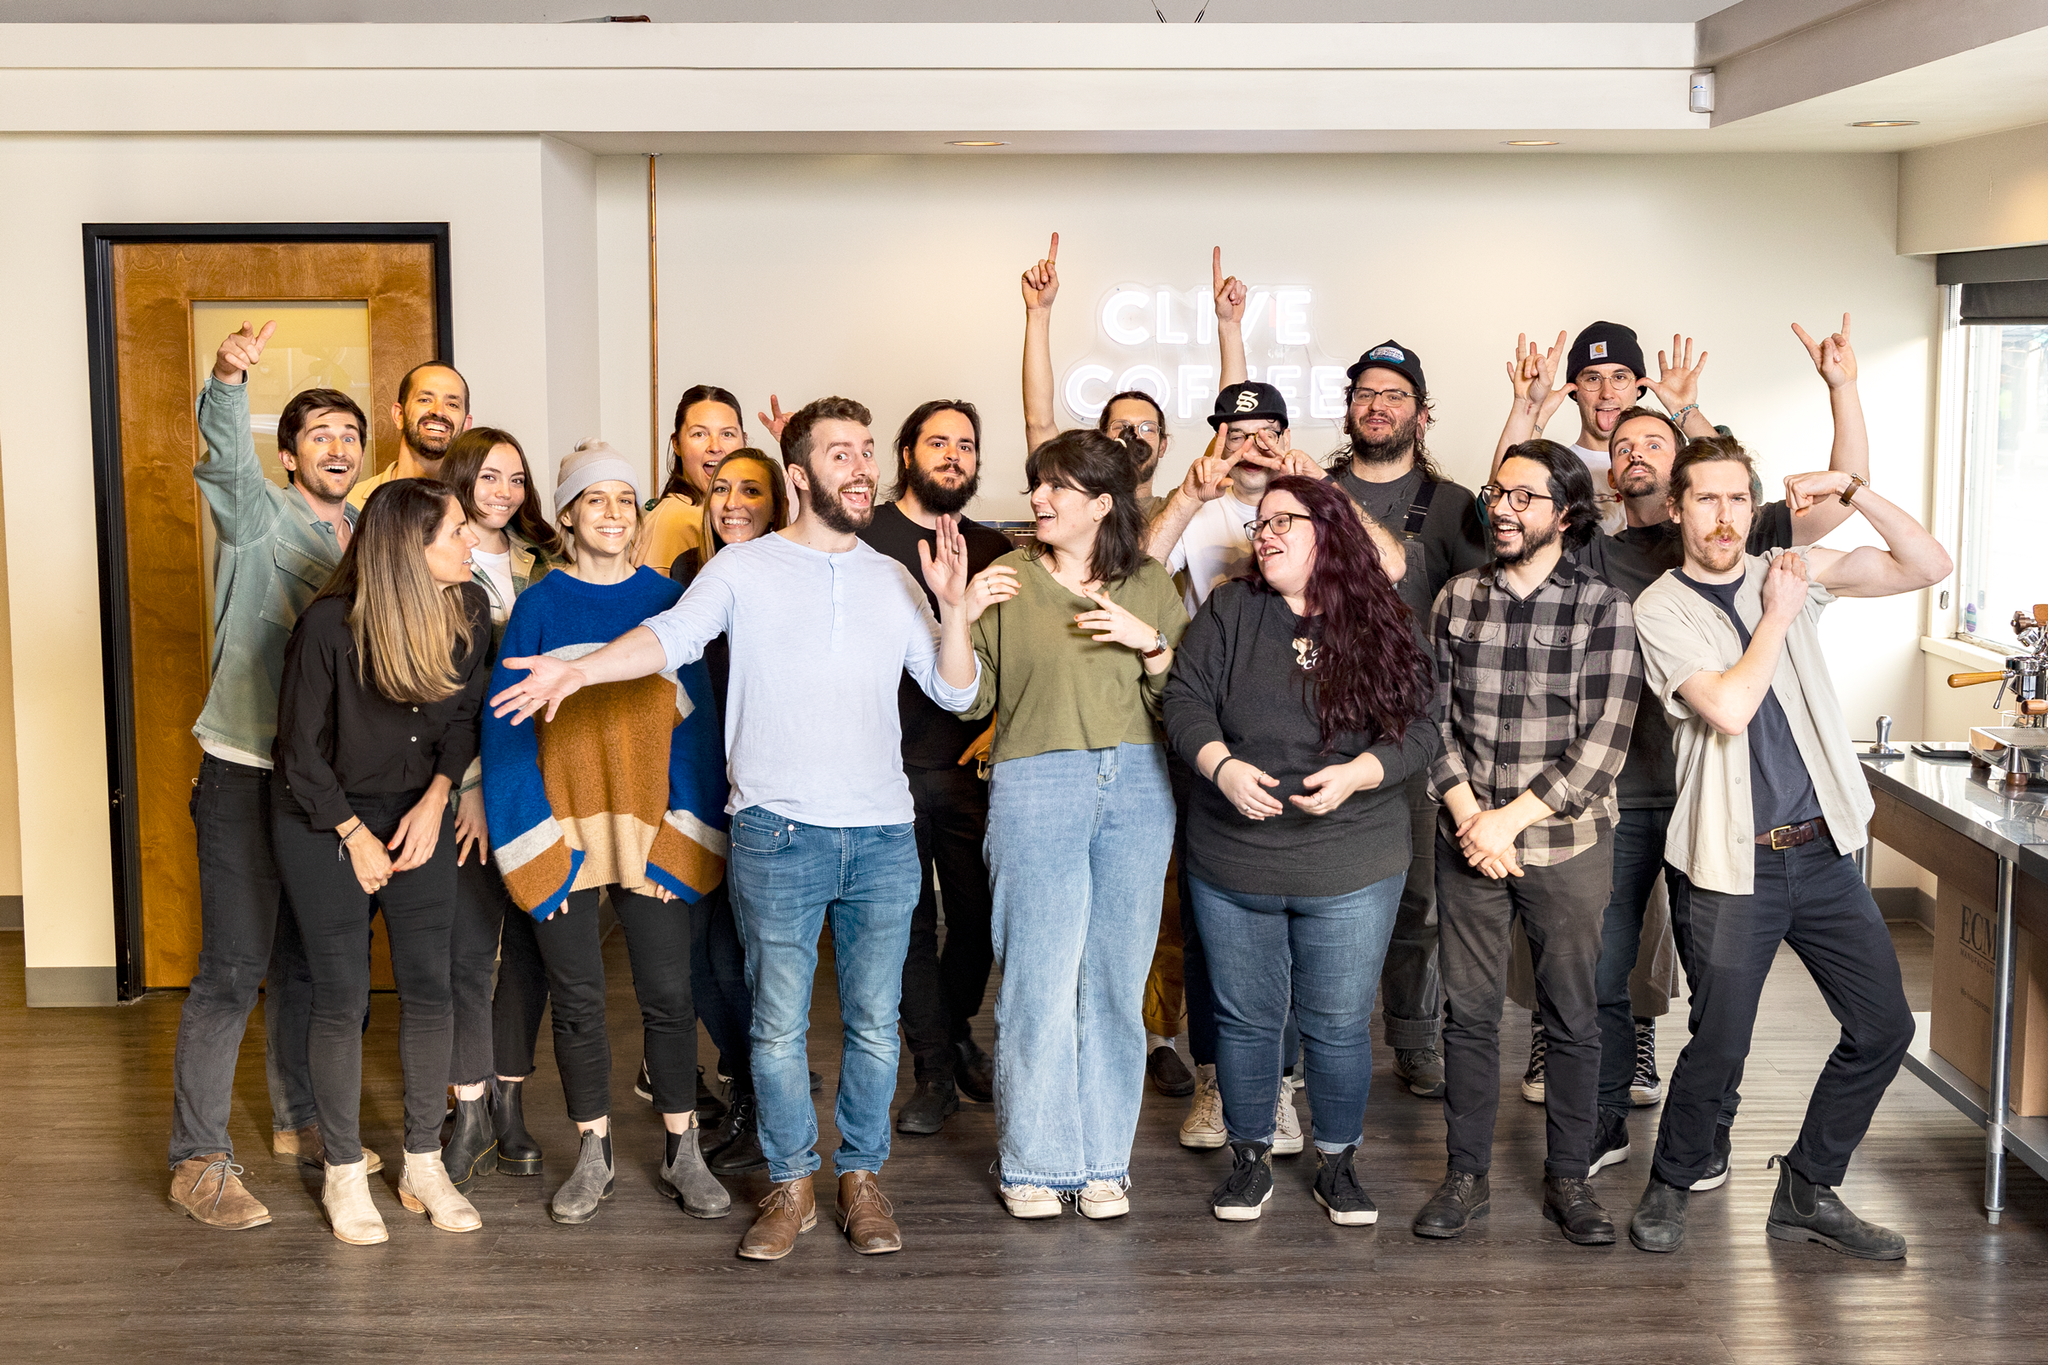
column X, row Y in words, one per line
column 377, row 721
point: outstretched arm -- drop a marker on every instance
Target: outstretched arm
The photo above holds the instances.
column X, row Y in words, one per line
column 1835, row 360
column 550, row 682
column 1041, row 284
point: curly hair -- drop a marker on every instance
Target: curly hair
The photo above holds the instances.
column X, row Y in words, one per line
column 1371, row 675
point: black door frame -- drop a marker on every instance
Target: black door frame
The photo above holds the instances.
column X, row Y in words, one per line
column 116, row 663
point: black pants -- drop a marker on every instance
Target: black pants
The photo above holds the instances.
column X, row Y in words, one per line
column 942, row 991
column 245, row 936
column 333, row 913
column 1813, row 899
column 521, row 997
column 658, row 944
column 480, row 913
column 1560, row 908
column 1194, row 961
column 1411, row 988
column 718, row 983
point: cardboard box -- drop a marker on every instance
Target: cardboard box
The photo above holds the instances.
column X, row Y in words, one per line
column 1965, row 934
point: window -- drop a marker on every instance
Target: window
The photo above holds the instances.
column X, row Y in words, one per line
column 2005, row 477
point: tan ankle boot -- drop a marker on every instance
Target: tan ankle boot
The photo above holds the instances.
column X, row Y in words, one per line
column 206, row 1188
column 425, row 1188
column 346, row 1197
column 789, row 1209
column 303, row 1145
column 864, row 1212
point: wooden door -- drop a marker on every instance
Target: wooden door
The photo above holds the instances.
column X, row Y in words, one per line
column 163, row 304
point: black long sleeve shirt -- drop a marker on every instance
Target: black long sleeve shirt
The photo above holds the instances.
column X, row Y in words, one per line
column 1238, row 677
column 337, row 734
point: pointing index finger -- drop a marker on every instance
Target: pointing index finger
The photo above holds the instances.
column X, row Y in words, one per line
column 1052, row 253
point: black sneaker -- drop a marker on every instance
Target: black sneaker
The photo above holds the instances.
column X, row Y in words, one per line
column 1242, row 1196
column 1717, row 1173
column 1646, row 1087
column 1802, row 1211
column 1338, row 1190
column 1170, row 1075
column 1532, row 1079
column 643, row 1084
column 1421, row 1069
column 1610, row 1141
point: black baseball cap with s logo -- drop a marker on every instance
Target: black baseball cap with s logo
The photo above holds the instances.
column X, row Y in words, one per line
column 1244, row 402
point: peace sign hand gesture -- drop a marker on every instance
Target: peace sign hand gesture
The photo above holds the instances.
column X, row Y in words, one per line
column 1042, row 281
column 240, row 352
column 1208, row 476
column 777, row 421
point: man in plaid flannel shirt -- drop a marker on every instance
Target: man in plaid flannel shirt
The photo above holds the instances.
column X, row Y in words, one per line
column 1537, row 681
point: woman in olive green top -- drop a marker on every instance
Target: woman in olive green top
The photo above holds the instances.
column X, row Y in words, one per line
column 1080, row 825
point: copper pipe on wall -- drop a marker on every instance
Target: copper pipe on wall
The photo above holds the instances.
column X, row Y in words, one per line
column 653, row 330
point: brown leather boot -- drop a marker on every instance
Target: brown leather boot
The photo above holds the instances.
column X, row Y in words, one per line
column 205, row 1187
column 864, row 1212
column 304, row 1146
column 789, row 1209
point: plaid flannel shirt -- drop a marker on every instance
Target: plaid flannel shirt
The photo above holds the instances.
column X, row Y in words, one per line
column 1536, row 694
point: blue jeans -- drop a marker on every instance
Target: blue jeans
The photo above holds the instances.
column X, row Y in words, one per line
column 1322, row 955
column 786, row 878
column 1077, row 846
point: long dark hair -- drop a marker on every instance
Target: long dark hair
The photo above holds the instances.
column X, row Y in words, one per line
column 1097, row 464
column 678, row 481
column 1571, row 487
column 465, row 460
column 1371, row 675
column 408, row 629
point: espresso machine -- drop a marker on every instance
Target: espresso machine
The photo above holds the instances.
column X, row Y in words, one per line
column 2017, row 752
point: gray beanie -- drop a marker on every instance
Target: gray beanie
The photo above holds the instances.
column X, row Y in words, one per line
column 593, row 461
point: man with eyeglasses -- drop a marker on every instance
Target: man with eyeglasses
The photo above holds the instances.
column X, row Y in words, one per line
column 1537, row 685
column 1387, row 471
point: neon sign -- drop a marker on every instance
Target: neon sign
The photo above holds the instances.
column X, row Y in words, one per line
column 1162, row 341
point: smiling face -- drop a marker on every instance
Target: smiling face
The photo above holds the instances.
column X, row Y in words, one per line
column 710, row 431
column 1714, row 514
column 435, row 412
column 1068, row 518
column 1285, row 558
column 500, row 488
column 1518, row 536
column 1384, row 427
column 838, row 481
column 742, row 501
column 448, row 552
column 600, row 523
column 1642, row 452
column 328, row 454
column 1602, row 393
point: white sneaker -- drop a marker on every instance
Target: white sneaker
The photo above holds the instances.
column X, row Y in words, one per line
column 1102, row 1199
column 1203, row 1129
column 1286, row 1124
column 1031, row 1201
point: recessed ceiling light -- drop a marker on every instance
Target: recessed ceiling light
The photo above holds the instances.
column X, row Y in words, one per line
column 1530, row 142
column 1886, row 123
column 971, row 143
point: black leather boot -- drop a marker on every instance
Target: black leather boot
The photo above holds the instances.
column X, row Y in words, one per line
column 1461, row 1198
column 743, row 1151
column 1659, row 1224
column 974, row 1073
column 1569, row 1203
column 1802, row 1211
column 518, row 1153
column 710, row 1107
column 926, row 1110
column 472, row 1144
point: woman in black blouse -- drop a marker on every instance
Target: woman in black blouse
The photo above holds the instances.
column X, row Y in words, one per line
column 377, row 719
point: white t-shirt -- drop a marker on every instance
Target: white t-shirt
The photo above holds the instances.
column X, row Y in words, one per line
column 494, row 572
column 1215, row 548
column 1613, row 519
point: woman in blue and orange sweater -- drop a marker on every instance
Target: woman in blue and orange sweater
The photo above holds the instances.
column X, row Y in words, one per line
column 624, row 790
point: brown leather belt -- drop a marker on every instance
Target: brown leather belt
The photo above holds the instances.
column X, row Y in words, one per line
column 1792, row 836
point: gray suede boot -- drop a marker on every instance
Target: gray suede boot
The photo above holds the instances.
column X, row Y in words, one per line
column 690, row 1183
column 591, row 1181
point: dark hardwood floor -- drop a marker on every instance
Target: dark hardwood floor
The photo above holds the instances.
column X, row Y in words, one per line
column 96, row 1265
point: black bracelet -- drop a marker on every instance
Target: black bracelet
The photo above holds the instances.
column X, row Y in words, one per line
column 1217, row 771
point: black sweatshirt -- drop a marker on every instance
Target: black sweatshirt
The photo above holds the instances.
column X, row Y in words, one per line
column 1236, row 678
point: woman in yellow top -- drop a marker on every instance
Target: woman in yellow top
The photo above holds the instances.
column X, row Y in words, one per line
column 708, row 428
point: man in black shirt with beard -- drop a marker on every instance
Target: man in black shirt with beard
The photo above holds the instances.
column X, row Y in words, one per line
column 938, row 456
column 1388, row 472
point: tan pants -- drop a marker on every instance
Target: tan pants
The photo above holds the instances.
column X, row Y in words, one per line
column 1165, row 988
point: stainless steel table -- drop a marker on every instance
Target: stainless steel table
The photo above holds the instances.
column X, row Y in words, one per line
column 2015, row 828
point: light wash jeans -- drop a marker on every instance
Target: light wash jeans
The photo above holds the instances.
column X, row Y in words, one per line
column 1077, row 846
column 785, row 878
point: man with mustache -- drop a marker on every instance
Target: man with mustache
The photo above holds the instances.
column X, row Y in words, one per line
column 938, row 455
column 1771, row 807
column 431, row 411
column 820, row 627
column 1537, row 687
column 1387, row 471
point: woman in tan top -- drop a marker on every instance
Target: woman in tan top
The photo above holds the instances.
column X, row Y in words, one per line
column 708, row 428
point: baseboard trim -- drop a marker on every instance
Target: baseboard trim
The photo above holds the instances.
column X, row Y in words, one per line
column 1907, row 903
column 10, row 912
column 68, row 986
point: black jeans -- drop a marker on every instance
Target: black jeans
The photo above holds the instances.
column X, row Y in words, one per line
column 521, row 996
column 718, row 983
column 942, row 991
column 333, row 913
column 1411, row 988
column 1813, row 899
column 658, row 944
column 1560, row 908
column 245, row 936
column 480, row 905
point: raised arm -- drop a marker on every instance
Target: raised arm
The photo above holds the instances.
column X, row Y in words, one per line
column 231, row 476
column 1911, row 560
column 1205, row 481
column 1677, row 387
column 1230, row 295
column 1814, row 513
column 1533, row 374
column 1041, row 284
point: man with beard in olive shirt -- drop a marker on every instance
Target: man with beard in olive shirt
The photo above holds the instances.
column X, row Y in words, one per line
column 1386, row 470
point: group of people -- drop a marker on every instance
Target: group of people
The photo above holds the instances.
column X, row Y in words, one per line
column 1292, row 740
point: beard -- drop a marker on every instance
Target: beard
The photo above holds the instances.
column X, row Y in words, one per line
column 935, row 496
column 1638, row 481
column 1718, row 550
column 1396, row 445
column 429, row 446
column 834, row 513
column 1532, row 544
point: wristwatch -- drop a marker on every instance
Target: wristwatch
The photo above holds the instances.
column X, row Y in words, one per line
column 1856, row 483
column 1158, row 647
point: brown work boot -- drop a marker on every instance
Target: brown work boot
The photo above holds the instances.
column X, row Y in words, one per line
column 206, row 1188
column 304, row 1146
column 789, row 1209
column 864, row 1212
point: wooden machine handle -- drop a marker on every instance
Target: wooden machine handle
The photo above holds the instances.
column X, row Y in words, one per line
column 1972, row 679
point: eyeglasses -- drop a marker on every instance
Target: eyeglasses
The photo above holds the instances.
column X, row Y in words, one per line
column 1232, row 439
column 1365, row 398
column 1122, row 429
column 1280, row 523
column 1517, row 498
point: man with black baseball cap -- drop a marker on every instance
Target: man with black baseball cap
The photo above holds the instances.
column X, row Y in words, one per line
column 1386, row 470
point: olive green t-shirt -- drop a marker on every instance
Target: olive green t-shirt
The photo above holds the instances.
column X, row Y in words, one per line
column 1051, row 685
